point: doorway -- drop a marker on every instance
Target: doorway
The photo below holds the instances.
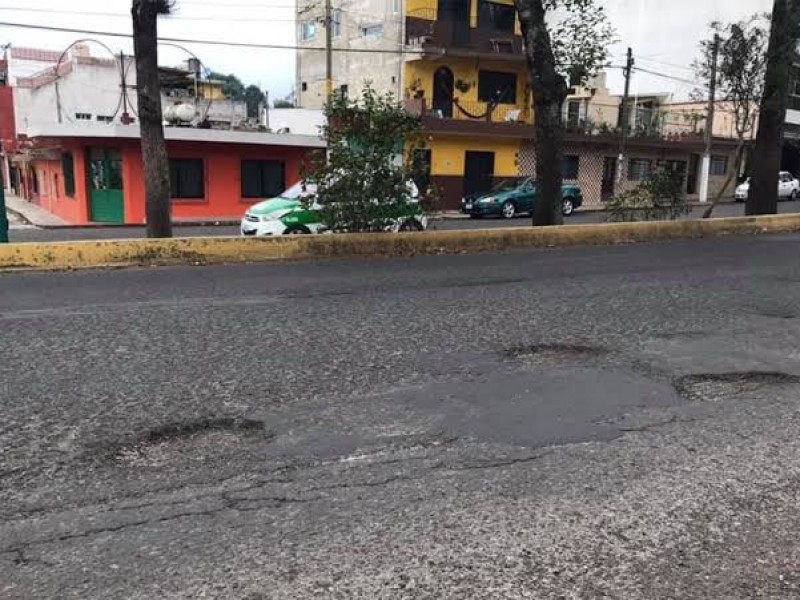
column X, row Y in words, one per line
column 691, row 179
column 443, row 88
column 456, row 13
column 609, row 177
column 106, row 204
column 478, row 172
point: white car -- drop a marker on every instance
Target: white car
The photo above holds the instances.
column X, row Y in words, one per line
column 788, row 188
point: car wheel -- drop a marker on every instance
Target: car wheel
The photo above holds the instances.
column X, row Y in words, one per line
column 509, row 210
column 411, row 225
column 794, row 195
column 297, row 230
column 568, row 207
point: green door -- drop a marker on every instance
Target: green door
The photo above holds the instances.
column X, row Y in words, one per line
column 105, row 186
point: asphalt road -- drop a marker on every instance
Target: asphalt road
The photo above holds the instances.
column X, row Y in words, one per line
column 619, row 422
column 28, row 234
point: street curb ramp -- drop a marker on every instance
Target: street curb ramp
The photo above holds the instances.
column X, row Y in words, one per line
column 213, row 250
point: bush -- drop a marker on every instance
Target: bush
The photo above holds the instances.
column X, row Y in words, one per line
column 660, row 197
column 363, row 180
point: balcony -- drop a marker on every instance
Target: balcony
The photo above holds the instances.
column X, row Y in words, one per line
column 474, row 36
column 473, row 117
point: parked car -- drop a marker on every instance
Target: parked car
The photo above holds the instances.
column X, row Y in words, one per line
column 788, row 188
column 288, row 215
column 512, row 197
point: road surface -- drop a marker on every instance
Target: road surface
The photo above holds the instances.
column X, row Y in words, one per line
column 28, row 234
column 619, row 422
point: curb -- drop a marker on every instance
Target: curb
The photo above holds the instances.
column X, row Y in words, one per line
column 196, row 251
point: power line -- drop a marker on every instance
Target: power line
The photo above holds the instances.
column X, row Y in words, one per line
column 672, row 77
column 209, row 42
column 166, row 19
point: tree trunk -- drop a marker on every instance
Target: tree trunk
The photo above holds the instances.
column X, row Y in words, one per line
column 763, row 196
column 549, row 93
column 737, row 168
column 154, row 150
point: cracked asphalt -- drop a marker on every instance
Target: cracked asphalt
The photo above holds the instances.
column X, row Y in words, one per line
column 618, row 422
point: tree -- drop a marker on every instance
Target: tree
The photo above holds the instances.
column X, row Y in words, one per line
column 254, row 98
column 763, row 196
column 566, row 42
column 361, row 183
column 740, row 79
column 148, row 89
column 283, row 104
column 232, row 86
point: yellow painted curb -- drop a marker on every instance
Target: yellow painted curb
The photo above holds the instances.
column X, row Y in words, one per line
column 142, row 252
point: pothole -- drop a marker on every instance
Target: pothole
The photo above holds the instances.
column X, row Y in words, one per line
column 715, row 387
column 554, row 353
column 194, row 441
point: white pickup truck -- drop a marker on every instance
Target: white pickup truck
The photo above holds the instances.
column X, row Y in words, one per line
column 788, row 188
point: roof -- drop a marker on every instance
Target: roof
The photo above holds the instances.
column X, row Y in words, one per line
column 36, row 54
column 182, row 134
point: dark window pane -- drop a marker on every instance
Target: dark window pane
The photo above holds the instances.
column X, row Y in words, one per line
column 719, row 165
column 494, row 86
column 68, row 167
column 187, row 178
column 262, row 178
column 571, row 167
column 493, row 15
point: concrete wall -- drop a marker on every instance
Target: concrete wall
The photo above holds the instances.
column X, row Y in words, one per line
column 690, row 117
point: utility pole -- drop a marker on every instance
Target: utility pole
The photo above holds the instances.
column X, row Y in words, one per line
column 706, row 168
column 328, row 49
column 3, row 216
column 625, row 117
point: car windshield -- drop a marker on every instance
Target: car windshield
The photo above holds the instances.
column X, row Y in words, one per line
column 299, row 190
column 506, row 184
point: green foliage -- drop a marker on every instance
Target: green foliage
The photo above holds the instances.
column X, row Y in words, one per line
column 232, row 86
column 580, row 37
column 660, row 197
column 254, row 98
column 283, row 104
column 362, row 184
column 742, row 65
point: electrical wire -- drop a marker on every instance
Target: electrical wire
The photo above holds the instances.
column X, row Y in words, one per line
column 166, row 19
column 210, row 42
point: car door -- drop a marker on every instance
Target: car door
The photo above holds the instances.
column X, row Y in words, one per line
column 784, row 185
column 526, row 196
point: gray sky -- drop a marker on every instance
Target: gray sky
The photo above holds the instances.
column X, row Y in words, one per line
column 663, row 34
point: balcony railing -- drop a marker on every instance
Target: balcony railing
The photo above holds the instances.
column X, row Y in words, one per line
column 471, row 111
column 425, row 30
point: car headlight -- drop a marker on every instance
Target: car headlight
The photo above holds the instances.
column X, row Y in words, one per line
column 268, row 218
column 489, row 200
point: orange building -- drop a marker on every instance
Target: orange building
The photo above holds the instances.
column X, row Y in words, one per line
column 95, row 174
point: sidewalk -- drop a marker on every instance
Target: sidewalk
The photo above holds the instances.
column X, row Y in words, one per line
column 33, row 214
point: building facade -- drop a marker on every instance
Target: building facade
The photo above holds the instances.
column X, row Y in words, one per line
column 457, row 63
column 74, row 147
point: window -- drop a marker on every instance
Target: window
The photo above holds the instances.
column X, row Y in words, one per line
column 308, row 30
column 105, row 119
column 304, row 86
column 343, row 90
column 719, row 166
column 55, row 185
column 68, row 167
column 573, row 113
column 571, row 166
column 395, row 6
column 336, row 22
column 496, row 16
column 187, row 178
column 263, row 178
column 372, row 30
column 83, row 116
column 639, row 168
column 494, row 86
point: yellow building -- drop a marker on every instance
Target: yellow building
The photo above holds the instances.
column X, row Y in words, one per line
column 462, row 68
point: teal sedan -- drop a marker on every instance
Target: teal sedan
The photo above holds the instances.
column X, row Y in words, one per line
column 512, row 197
